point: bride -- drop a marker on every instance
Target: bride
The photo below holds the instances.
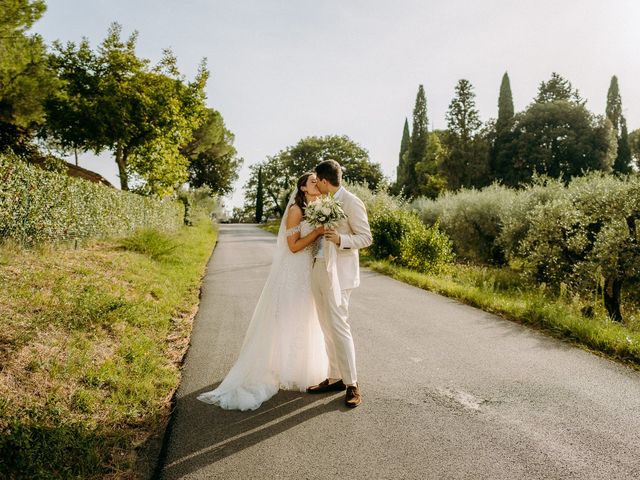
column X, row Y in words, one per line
column 284, row 346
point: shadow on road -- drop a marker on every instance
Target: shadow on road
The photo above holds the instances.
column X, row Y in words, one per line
column 210, row 434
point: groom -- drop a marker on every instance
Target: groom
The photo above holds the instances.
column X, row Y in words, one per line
column 351, row 234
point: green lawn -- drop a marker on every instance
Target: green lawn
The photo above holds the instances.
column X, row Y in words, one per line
column 90, row 346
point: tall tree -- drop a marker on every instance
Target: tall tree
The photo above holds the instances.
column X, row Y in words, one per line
column 404, row 147
column 559, row 139
column 624, row 158
column 418, row 146
column 466, row 163
column 71, row 120
column 141, row 113
column 431, row 182
column 556, row 89
column 213, row 159
column 500, row 136
column 259, row 197
column 25, row 77
column 613, row 111
column 634, row 146
column 505, row 104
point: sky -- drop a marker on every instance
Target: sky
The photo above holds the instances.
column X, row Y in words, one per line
column 282, row 70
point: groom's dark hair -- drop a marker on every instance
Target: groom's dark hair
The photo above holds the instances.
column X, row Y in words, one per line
column 331, row 171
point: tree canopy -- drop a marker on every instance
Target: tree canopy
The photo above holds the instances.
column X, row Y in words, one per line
column 213, row 159
column 279, row 172
column 559, row 139
column 25, row 77
column 112, row 99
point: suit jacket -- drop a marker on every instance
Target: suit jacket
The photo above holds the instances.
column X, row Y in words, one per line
column 354, row 234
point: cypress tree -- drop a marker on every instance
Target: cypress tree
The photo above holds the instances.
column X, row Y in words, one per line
column 259, row 198
column 614, row 104
column 613, row 111
column 505, row 104
column 401, row 174
column 622, row 163
column 417, row 151
column 500, row 163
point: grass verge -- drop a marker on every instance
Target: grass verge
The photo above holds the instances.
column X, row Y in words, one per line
column 505, row 292
column 90, row 348
column 271, row 226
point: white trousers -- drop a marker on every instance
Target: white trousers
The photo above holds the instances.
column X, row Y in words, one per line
column 335, row 327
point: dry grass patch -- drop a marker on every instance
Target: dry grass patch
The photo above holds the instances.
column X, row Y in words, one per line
column 90, row 346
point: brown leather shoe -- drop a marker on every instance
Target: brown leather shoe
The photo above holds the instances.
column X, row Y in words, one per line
column 325, row 386
column 353, row 397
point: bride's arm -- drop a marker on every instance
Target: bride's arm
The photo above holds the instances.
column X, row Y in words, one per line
column 295, row 241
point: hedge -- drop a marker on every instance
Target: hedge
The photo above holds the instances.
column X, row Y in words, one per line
column 37, row 206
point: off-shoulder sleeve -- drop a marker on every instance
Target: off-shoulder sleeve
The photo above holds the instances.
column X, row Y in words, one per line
column 293, row 230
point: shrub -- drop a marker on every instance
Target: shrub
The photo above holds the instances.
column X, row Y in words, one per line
column 388, row 228
column 378, row 201
column 588, row 237
column 37, row 205
column 514, row 217
column 472, row 219
column 188, row 206
column 400, row 236
column 425, row 249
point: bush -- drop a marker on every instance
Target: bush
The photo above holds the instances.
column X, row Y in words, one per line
column 425, row 249
column 515, row 214
column 472, row 219
column 400, row 236
column 388, row 228
column 378, row 201
column 588, row 238
column 37, row 206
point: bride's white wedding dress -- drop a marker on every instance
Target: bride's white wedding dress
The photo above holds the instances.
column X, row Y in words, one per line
column 284, row 346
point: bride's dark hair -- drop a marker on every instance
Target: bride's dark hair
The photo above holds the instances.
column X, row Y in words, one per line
column 300, row 199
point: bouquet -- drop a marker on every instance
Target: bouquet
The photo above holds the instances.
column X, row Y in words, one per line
column 325, row 211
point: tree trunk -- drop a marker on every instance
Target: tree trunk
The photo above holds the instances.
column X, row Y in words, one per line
column 121, row 160
column 612, row 289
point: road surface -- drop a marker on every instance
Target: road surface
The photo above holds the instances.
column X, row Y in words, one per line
column 450, row 392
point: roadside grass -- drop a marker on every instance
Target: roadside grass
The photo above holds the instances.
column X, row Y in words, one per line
column 271, row 226
column 505, row 292
column 91, row 341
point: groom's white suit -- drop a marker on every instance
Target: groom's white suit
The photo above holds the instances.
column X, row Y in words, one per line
column 354, row 234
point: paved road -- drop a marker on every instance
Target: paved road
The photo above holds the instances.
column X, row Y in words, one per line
column 450, row 392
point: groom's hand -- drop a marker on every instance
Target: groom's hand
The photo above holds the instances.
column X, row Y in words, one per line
column 332, row 236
